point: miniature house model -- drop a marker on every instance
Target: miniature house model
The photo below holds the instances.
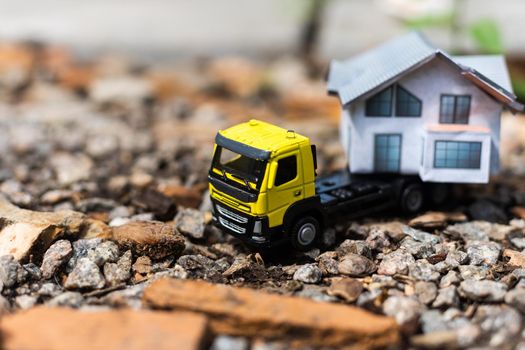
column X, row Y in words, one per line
column 410, row 108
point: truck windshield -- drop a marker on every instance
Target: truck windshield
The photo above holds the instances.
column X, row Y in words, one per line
column 245, row 168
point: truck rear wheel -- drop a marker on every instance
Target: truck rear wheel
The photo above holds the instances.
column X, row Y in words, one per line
column 304, row 233
column 412, row 198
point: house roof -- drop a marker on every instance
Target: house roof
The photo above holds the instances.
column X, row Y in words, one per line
column 377, row 67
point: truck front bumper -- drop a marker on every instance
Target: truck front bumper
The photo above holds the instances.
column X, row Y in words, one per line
column 253, row 230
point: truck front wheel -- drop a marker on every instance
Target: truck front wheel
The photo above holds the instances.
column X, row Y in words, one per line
column 304, row 233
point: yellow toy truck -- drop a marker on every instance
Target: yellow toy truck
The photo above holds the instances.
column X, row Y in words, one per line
column 264, row 189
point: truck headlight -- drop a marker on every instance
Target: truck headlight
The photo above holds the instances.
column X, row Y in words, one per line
column 257, row 226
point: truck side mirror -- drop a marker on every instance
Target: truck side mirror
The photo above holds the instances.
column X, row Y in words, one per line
column 314, row 156
column 273, row 172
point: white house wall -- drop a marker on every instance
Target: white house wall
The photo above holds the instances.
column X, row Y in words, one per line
column 427, row 83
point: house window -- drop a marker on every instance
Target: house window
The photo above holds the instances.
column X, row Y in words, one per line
column 286, row 170
column 387, row 153
column 454, row 109
column 407, row 105
column 457, row 155
column 380, row 105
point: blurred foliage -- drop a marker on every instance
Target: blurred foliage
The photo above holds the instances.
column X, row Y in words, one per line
column 487, row 36
column 429, row 21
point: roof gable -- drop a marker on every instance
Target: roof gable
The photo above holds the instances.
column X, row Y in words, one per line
column 384, row 64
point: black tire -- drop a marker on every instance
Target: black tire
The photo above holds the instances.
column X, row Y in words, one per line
column 412, row 199
column 304, row 233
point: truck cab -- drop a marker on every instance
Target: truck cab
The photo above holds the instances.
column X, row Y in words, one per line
column 264, row 189
column 260, row 175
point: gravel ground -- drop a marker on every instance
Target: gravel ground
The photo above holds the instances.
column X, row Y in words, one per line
column 129, row 148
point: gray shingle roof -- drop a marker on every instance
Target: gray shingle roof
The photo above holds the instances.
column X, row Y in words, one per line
column 370, row 70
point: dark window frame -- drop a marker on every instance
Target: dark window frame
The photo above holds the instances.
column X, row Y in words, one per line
column 276, row 182
column 369, row 101
column 376, row 162
column 455, row 116
column 476, row 163
column 397, row 114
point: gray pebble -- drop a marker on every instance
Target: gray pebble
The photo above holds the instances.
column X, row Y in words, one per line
column 356, row 265
column 70, row 299
column 11, row 272
column 225, row 342
column 482, row 290
column 422, row 270
column 25, row 301
column 483, row 253
column 446, row 297
column 309, row 273
column 85, row 275
column 405, row 310
column 190, row 222
column 119, row 272
column 426, row 292
column 395, row 263
column 59, row 253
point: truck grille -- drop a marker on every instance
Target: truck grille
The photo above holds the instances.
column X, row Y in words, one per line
column 232, row 226
column 231, row 215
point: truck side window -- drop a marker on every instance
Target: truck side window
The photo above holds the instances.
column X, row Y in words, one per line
column 286, row 170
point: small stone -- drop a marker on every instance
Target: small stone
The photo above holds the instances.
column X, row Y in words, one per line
column 378, row 240
column 190, row 222
column 25, row 301
column 518, row 242
column 446, row 297
column 432, row 220
column 309, row 273
column 328, row 266
column 142, row 265
column 419, row 250
column 455, row 258
column 516, row 298
column 426, row 292
column 482, row 290
column 468, row 272
column 33, row 272
column 451, row 278
column 81, row 248
column 70, row 299
column 11, row 272
column 422, row 270
column 224, row 342
column 85, row 275
column 356, row 265
column 106, row 251
column 49, row 290
column 499, row 323
column 58, row 254
column 515, row 258
column 354, row 247
column 483, row 253
column 395, row 263
column 405, row 310
column 347, row 289
column 119, row 272
column 421, row 236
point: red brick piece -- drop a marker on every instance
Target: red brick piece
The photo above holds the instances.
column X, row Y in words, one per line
column 247, row 312
column 62, row 328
